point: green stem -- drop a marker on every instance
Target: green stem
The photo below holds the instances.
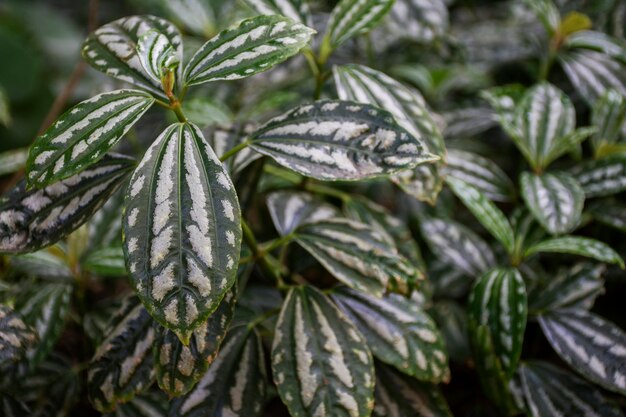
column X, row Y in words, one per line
column 322, row 189
column 176, row 108
column 267, row 247
column 234, row 150
column 259, row 255
column 260, row 319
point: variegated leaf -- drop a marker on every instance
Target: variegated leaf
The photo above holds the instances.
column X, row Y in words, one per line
column 498, row 302
column 112, row 49
column 356, row 255
column 13, row 160
column 33, row 219
column 224, row 139
column 468, row 122
column 320, row 362
column 547, row 12
column 610, row 213
column 296, row 10
column 597, row 41
column 424, row 182
column 490, row 216
column 122, row 365
column 157, row 55
column 16, row 337
column 398, row 333
column 578, row 245
column 609, row 115
column 352, row 17
column 455, row 243
column 182, row 231
column 339, row 140
column 108, row 262
column 365, row 85
column 418, row 20
column 43, row 264
column 592, row 346
column 253, row 46
column 105, row 227
column 555, row 200
column 481, row 173
column 290, row 210
column 602, row 177
column 179, row 367
column 552, row 392
column 234, row 385
column 593, row 73
column 397, row 395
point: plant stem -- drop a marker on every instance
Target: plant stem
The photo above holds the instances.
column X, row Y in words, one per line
column 259, row 255
column 275, row 243
column 234, row 150
column 322, row 189
column 260, row 319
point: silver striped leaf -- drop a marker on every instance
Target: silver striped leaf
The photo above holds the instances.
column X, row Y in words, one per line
column 105, row 227
column 481, row 172
column 150, row 404
column 555, row 199
column 424, row 182
column 122, row 366
column 577, row 245
column 16, row 337
column 452, row 242
column 397, row 395
column 498, row 302
column 157, row 55
column 182, row 230
column 547, row 12
column 13, row 160
column 597, row 41
column 197, row 16
column 339, row 140
column 365, row 85
column 592, row 346
column 179, row 367
column 602, row 177
column 296, row 10
column 576, row 287
column 468, row 122
column 490, row 216
column 254, row 46
column 43, row 264
column 222, row 139
column 609, row 115
column 83, row 135
column 234, row 385
column 398, row 333
column 352, row 17
column 610, row 213
column 108, row 262
column 421, row 21
column 36, row 218
column 357, row 255
column 290, row 210
column 320, row 362
column 112, row 49
column 552, row 392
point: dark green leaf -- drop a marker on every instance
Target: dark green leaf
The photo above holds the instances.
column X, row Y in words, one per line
column 351, row 17
column 577, row 245
column 612, row 214
column 150, row 404
column 11, row 407
column 593, row 73
column 451, row 319
column 43, row 264
column 108, row 262
column 16, row 337
column 290, row 210
column 602, row 177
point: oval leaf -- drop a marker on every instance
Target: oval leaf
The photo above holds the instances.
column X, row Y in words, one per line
column 296, row 10
column 157, row 55
column 290, row 210
column 593, row 73
column 15, row 336
column 577, row 245
column 351, row 17
column 602, row 177
column 609, row 114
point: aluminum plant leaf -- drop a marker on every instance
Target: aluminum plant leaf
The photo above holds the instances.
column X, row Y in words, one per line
column 592, row 346
column 234, row 385
column 418, row 20
column 555, row 199
column 424, row 182
column 296, row 10
column 122, row 365
column 13, row 160
column 490, row 216
column 36, row 218
column 356, row 254
column 398, row 395
column 254, row 46
column 547, row 12
column 601, row 177
column 610, row 213
column 597, row 41
column 290, row 210
column 43, row 264
column 609, row 114
column 320, row 362
column 157, row 55
column 577, row 245
column 498, row 302
column 105, row 227
column 553, row 392
column 398, row 333
column 224, row 138
column 112, row 49
column 339, row 140
column 593, row 73
column 481, row 173
column 452, row 242
column 108, row 262
column 83, row 135
column 16, row 337
column 179, row 367
column 182, row 230
column 352, row 17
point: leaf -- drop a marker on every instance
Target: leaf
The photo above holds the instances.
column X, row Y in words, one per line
column 552, row 392
column 555, row 200
column 108, row 262
column 609, row 114
column 105, row 227
column 235, row 384
column 150, row 404
column 451, row 319
column 179, row 367
column 320, row 362
column 454, row 243
column 399, row 395
column 424, row 182
column 612, row 214
column 339, row 140
column 205, row 112
column 574, row 22
column 253, row 46
column 182, row 231
column 122, row 365
column 498, row 302
column 352, row 17
column 5, row 110
column 480, row 172
column 290, row 210
column 112, row 49
column 593, row 73
column 198, row 16
column 42, row 264
column 490, row 216
column 547, row 12
column 12, row 407
column 13, row 160
column 593, row 347
column 36, row 218
column 419, row 21
column 597, row 41
column 356, row 254
column 602, row 177
column 398, row 333
column 157, row 55
column 83, row 135
column 296, row 10
column 577, row 245
column 223, row 139
column 15, row 336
